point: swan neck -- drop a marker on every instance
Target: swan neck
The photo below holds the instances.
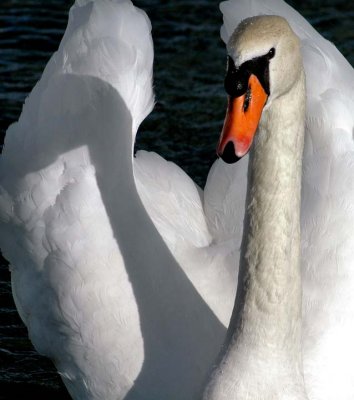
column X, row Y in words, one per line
column 269, row 287
column 262, row 353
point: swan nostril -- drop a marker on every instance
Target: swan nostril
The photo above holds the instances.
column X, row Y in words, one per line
column 248, row 98
column 229, row 155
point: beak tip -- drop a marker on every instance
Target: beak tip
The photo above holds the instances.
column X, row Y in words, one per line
column 229, row 154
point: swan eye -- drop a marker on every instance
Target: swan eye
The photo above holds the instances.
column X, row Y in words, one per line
column 236, row 79
column 271, row 53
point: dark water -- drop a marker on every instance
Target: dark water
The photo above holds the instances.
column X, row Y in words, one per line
column 184, row 127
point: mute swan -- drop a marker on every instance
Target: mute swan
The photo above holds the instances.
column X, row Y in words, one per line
column 81, row 276
column 270, row 332
column 266, row 87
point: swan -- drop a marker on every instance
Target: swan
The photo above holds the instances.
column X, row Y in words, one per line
column 266, row 87
column 127, row 284
column 277, row 347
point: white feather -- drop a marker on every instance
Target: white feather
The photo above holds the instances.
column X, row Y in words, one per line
column 105, row 292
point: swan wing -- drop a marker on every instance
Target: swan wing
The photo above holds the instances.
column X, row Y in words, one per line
column 100, row 292
column 69, row 277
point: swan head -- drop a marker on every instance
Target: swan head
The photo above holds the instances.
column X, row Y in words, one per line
column 264, row 62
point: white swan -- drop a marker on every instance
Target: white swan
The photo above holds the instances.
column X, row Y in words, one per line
column 91, row 275
column 262, row 356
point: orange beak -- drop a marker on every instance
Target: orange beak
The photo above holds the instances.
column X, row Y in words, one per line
column 241, row 121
